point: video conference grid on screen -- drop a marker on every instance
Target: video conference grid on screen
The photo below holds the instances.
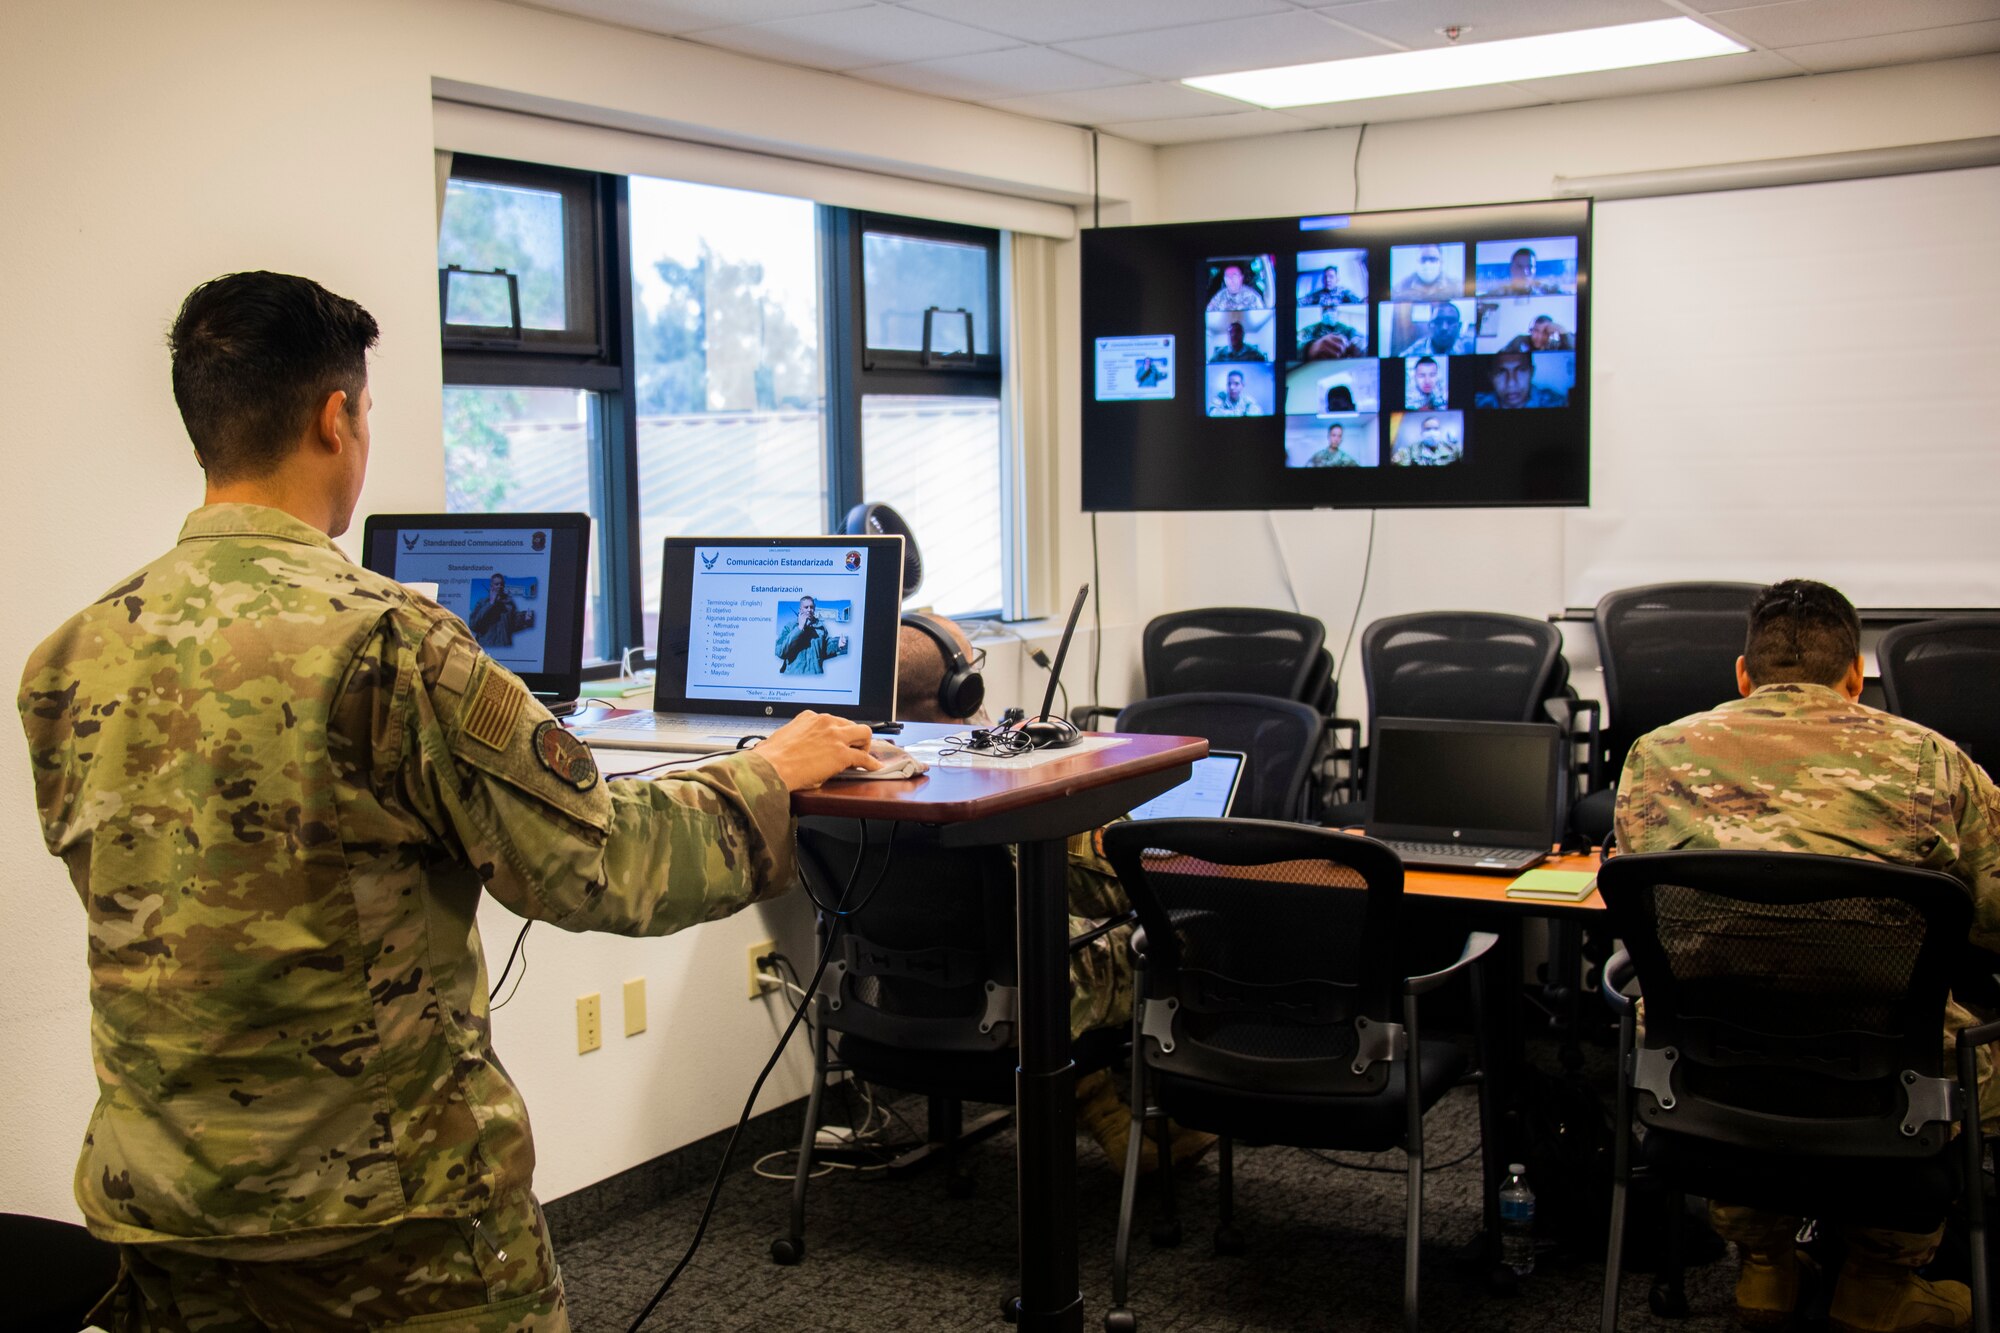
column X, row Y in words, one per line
column 1389, row 343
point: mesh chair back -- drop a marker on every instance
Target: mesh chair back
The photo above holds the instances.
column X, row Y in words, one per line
column 1942, row 673
column 1794, row 990
column 1278, row 737
column 1277, row 973
column 1468, row 666
column 931, row 944
column 1668, row 650
column 1247, row 649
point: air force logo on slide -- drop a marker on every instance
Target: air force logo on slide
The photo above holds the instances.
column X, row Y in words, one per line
column 853, row 561
column 410, row 540
column 708, row 561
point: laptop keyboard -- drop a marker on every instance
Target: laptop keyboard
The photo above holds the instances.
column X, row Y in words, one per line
column 741, row 726
column 1457, row 851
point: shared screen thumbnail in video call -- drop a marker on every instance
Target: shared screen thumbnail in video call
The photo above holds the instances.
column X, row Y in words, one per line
column 784, row 624
column 512, row 579
column 1429, row 357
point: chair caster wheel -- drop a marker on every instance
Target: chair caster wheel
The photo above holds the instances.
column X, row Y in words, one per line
column 1010, row 1309
column 1228, row 1241
column 1668, row 1304
column 958, row 1187
column 1166, row 1233
column 1121, row 1321
column 787, row 1251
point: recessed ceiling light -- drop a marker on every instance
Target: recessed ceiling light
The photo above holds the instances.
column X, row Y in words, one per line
column 1473, row 65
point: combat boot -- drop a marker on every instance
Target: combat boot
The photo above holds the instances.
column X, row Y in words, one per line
column 1877, row 1297
column 1101, row 1111
column 1767, row 1288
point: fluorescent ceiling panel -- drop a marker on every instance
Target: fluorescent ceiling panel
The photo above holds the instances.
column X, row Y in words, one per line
column 1474, row 65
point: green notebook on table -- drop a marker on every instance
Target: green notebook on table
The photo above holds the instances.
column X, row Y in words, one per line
column 1559, row 886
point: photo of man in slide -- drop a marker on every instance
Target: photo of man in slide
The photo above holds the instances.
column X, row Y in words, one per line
column 495, row 620
column 804, row 645
column 1149, row 373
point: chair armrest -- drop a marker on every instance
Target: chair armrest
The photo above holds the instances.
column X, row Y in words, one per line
column 1620, row 982
column 1101, row 929
column 1083, row 715
column 1476, row 946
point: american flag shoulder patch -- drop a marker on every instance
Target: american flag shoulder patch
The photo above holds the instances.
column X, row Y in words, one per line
column 492, row 707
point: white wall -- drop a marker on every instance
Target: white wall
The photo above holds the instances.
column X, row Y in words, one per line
column 145, row 147
column 1500, row 560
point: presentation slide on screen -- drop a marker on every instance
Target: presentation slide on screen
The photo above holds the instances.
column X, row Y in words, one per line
column 1135, row 368
column 777, row 624
column 492, row 579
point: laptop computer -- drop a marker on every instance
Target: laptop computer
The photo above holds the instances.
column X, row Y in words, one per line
column 518, row 580
column 755, row 630
column 1208, row 793
column 1478, row 796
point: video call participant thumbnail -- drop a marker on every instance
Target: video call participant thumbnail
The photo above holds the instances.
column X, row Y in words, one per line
column 1243, row 335
column 1528, row 324
column 1543, row 266
column 1523, row 379
column 1320, row 388
column 1348, row 442
column 1240, row 282
column 1331, row 334
column 1427, row 439
column 1426, row 381
column 1240, row 391
column 1427, row 272
column 1436, row 328
column 1328, row 278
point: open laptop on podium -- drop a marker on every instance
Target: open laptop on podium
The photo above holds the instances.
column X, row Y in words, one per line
column 755, row 630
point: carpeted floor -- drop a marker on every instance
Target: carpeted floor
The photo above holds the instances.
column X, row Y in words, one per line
column 1323, row 1251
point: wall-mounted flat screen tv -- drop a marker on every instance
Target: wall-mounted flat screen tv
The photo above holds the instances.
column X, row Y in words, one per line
column 1433, row 357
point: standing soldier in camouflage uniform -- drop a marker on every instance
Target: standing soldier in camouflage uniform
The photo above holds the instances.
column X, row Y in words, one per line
column 1797, row 764
column 280, row 783
column 1100, row 973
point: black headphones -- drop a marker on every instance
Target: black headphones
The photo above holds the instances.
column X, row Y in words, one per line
column 963, row 689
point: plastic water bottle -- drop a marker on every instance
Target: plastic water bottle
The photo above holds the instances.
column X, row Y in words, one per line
column 1517, row 1221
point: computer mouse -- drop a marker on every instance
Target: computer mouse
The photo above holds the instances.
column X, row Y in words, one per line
column 896, row 763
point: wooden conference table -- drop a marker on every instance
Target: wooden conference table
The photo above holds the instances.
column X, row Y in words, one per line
column 1035, row 806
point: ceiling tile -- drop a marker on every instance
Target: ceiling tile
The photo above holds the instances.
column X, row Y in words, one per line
column 681, row 16
column 1415, row 23
column 876, row 35
column 1809, row 21
column 1021, row 71
column 1070, row 20
column 1743, row 68
column 1195, row 129
column 1224, row 48
column 1961, row 39
column 1101, row 106
column 1417, row 106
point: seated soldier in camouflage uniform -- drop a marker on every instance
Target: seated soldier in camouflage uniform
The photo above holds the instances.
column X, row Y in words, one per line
column 1100, row 973
column 280, row 784
column 1797, row 764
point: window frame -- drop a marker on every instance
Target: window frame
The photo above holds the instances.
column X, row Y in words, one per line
column 583, row 209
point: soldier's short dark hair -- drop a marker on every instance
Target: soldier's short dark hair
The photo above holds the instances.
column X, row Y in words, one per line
column 1801, row 632
column 254, row 356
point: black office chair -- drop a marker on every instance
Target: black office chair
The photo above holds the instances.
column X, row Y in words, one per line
column 1942, row 673
column 1279, row 737
column 920, row 995
column 1792, row 1059
column 1471, row 666
column 1667, row 650
column 1270, row 1007
column 1246, row 649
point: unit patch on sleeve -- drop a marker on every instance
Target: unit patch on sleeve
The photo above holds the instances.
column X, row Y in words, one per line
column 565, row 756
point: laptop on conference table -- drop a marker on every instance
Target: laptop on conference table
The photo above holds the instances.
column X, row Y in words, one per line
column 1208, row 793
column 755, row 630
column 1476, row 796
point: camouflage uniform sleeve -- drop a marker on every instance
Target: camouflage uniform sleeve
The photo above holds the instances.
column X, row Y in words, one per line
column 1627, row 823
column 1094, row 890
column 461, row 744
column 1971, row 820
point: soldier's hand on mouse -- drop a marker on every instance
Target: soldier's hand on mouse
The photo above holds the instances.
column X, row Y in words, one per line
column 812, row 747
